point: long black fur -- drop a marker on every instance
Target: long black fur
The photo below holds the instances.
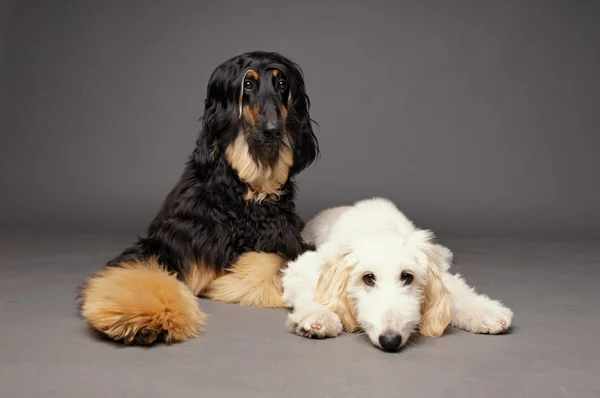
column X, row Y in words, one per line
column 205, row 217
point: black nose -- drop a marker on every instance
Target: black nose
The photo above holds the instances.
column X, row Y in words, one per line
column 272, row 129
column 390, row 341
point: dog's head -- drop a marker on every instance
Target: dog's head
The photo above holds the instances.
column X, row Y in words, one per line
column 257, row 116
column 389, row 284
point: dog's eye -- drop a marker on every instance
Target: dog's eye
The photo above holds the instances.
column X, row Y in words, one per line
column 282, row 84
column 248, row 84
column 406, row 278
column 369, row 279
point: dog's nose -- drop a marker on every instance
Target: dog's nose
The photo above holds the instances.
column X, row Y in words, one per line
column 272, row 129
column 390, row 341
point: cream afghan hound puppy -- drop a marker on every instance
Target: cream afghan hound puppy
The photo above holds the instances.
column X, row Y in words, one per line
column 374, row 271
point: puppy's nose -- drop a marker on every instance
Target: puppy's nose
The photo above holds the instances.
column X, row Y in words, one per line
column 272, row 129
column 390, row 341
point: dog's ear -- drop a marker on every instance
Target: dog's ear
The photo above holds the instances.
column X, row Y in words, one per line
column 203, row 153
column 437, row 310
column 306, row 144
column 220, row 110
column 332, row 289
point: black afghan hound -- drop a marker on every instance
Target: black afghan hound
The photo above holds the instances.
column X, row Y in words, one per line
column 229, row 224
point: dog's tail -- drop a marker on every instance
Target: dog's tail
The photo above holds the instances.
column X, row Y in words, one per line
column 140, row 303
column 253, row 281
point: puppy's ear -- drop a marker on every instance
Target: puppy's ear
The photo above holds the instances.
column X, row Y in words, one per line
column 332, row 289
column 437, row 310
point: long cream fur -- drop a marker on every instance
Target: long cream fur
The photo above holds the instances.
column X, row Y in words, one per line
column 328, row 294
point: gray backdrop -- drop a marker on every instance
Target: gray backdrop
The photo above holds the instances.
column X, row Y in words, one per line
column 475, row 118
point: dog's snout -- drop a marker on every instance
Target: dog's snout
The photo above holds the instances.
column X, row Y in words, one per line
column 272, row 128
column 390, row 341
column 271, row 122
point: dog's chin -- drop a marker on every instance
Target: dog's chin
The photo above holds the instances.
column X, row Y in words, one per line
column 266, row 150
column 270, row 146
column 268, row 143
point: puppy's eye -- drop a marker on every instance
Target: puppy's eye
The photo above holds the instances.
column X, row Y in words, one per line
column 369, row 279
column 248, row 84
column 282, row 84
column 406, row 278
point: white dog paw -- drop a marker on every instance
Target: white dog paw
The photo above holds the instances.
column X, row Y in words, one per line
column 489, row 318
column 320, row 323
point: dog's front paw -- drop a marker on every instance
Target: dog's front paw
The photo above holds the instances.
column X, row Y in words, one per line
column 318, row 323
column 490, row 317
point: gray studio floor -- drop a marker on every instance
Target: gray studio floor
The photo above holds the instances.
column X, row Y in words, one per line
column 552, row 351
